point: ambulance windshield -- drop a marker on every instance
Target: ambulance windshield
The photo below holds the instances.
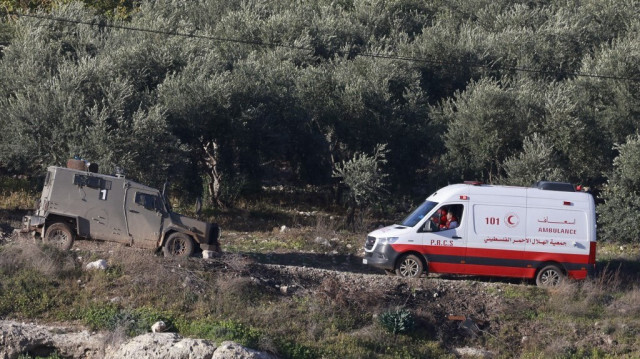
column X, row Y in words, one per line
column 419, row 213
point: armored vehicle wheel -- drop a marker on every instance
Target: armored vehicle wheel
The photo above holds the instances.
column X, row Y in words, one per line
column 550, row 276
column 59, row 235
column 178, row 245
column 409, row 266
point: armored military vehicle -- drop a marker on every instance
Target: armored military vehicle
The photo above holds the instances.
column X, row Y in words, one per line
column 83, row 204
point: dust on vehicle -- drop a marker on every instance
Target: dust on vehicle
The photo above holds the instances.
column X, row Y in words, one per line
column 81, row 203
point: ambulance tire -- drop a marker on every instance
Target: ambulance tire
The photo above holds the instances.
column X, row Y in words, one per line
column 410, row 266
column 178, row 245
column 550, row 276
column 59, row 235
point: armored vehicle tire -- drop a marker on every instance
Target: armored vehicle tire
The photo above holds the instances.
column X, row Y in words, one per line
column 178, row 245
column 410, row 266
column 59, row 235
column 550, row 276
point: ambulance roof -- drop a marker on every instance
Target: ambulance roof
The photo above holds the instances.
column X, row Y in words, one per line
column 454, row 191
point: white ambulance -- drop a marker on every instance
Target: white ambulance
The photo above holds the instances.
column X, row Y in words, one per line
column 546, row 232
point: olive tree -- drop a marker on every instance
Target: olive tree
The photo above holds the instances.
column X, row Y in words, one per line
column 365, row 177
column 619, row 215
column 537, row 161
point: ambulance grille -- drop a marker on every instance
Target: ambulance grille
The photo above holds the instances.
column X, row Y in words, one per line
column 370, row 242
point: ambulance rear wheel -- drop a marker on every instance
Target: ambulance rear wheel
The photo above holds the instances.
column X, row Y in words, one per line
column 410, row 266
column 550, row 276
column 59, row 235
column 178, row 245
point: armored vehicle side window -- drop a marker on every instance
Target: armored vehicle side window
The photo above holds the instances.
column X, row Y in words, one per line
column 148, row 201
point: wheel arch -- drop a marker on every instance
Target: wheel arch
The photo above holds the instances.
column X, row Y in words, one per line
column 71, row 221
column 548, row 263
column 172, row 230
column 425, row 262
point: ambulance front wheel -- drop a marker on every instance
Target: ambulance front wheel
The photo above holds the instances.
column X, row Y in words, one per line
column 550, row 276
column 410, row 266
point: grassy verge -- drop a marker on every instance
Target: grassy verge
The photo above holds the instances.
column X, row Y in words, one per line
column 37, row 282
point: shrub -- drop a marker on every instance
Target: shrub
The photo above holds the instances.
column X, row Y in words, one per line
column 397, row 321
column 365, row 177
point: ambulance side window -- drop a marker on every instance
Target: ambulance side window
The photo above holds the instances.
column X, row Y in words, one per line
column 446, row 217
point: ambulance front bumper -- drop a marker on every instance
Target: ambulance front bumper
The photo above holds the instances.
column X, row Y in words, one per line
column 382, row 256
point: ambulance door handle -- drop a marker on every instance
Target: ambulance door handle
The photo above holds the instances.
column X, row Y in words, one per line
column 456, row 237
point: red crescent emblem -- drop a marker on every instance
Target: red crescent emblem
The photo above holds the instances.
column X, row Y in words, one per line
column 512, row 220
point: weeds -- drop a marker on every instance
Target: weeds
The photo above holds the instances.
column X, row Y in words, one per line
column 49, row 261
column 18, row 193
column 397, row 321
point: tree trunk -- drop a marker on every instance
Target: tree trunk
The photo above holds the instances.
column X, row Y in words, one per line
column 215, row 177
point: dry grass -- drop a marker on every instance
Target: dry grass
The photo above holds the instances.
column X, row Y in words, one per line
column 48, row 261
column 21, row 199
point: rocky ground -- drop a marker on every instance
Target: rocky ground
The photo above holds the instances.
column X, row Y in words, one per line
column 17, row 338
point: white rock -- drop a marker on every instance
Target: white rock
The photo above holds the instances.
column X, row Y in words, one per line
column 322, row 241
column 158, row 327
column 208, row 254
column 163, row 346
column 19, row 338
column 231, row 350
column 100, row 264
column 283, row 229
column 467, row 352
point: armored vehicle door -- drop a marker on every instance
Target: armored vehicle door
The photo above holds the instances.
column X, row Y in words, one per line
column 144, row 211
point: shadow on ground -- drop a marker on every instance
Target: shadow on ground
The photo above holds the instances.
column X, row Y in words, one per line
column 342, row 263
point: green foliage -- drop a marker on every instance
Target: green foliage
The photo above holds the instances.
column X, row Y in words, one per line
column 101, row 316
column 364, row 175
column 397, row 321
column 27, row 292
column 288, row 92
column 485, row 124
column 137, row 321
column 220, row 330
column 618, row 216
column 537, row 161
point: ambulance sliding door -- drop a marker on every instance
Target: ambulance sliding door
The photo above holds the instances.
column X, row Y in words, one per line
column 497, row 242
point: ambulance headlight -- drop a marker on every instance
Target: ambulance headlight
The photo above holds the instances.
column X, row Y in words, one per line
column 387, row 240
